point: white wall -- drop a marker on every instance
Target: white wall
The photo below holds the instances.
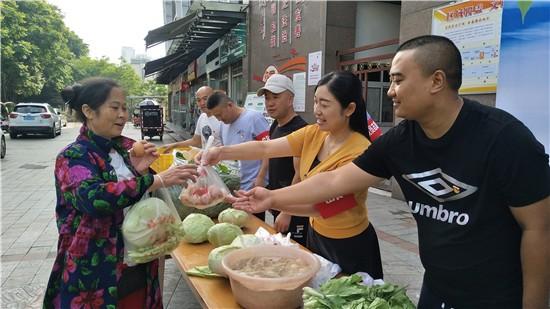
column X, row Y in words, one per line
column 375, row 22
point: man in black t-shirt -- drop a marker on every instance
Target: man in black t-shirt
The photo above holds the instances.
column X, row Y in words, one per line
column 475, row 178
column 279, row 97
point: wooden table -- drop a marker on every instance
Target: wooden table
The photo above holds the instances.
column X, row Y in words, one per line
column 210, row 292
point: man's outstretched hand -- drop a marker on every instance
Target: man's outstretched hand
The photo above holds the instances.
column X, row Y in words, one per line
column 258, row 199
column 209, row 157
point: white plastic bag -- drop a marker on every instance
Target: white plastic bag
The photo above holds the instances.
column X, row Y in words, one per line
column 151, row 229
column 327, row 271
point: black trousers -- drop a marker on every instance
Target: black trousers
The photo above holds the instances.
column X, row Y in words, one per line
column 298, row 227
column 360, row 253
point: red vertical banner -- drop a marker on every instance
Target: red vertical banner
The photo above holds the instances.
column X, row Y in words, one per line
column 374, row 129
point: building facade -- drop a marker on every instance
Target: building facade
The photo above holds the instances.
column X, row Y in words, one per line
column 206, row 47
column 301, row 39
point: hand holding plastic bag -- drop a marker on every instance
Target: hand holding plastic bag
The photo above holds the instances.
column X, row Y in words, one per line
column 208, row 190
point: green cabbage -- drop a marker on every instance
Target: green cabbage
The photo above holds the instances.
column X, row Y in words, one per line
column 233, row 216
column 195, row 227
column 246, row 240
column 146, row 223
column 223, row 234
column 216, row 256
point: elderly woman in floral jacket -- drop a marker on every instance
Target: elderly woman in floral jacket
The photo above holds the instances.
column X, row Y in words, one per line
column 97, row 177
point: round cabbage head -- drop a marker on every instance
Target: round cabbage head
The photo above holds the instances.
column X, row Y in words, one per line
column 233, row 216
column 216, row 256
column 246, row 240
column 196, row 227
column 223, row 234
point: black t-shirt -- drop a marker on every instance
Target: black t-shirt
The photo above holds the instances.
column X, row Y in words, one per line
column 281, row 170
column 459, row 188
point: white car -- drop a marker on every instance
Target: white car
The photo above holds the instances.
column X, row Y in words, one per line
column 61, row 116
column 32, row 118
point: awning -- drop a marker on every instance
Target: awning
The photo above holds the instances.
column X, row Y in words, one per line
column 194, row 34
column 170, row 31
column 163, row 63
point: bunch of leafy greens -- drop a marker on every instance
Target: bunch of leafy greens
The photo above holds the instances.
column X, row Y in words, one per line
column 349, row 293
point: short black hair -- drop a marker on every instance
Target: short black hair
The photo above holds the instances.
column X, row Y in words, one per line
column 216, row 98
column 437, row 53
column 93, row 91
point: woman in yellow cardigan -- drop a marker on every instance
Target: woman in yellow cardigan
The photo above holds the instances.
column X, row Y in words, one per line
column 340, row 230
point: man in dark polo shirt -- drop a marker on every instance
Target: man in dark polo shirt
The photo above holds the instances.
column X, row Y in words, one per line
column 279, row 97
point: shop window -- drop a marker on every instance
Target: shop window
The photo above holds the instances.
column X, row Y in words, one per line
column 212, row 56
column 236, row 89
column 373, row 103
column 224, row 80
column 373, row 76
column 237, row 69
column 379, row 105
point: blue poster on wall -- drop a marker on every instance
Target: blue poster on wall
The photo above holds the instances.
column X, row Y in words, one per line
column 523, row 84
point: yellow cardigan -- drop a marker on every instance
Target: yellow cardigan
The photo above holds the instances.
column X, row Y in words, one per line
column 306, row 144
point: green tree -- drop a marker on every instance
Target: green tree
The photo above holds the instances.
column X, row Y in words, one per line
column 37, row 48
column 86, row 67
column 150, row 87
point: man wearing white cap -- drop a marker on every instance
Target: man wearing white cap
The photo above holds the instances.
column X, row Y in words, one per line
column 279, row 97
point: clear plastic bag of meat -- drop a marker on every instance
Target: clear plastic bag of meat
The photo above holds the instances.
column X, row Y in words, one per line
column 207, row 191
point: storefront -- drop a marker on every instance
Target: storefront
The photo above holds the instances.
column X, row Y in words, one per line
column 307, row 39
column 207, row 49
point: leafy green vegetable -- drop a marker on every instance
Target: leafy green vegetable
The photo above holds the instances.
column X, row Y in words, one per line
column 195, row 227
column 216, row 256
column 246, row 240
column 202, row 271
column 179, row 155
column 223, row 234
column 349, row 293
column 233, row 216
column 146, row 223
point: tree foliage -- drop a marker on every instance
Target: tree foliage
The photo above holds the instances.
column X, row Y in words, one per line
column 36, row 50
column 40, row 56
column 124, row 74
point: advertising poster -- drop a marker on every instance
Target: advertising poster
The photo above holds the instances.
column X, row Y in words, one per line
column 474, row 27
column 299, row 82
column 524, row 66
column 314, row 68
column 256, row 103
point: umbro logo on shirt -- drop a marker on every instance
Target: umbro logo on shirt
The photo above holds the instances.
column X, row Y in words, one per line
column 440, row 186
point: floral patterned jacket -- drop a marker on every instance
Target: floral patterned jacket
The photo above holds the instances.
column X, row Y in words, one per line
column 89, row 212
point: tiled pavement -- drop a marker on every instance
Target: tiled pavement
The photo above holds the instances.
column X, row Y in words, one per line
column 29, row 235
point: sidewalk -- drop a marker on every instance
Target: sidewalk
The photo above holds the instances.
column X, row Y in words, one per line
column 176, row 132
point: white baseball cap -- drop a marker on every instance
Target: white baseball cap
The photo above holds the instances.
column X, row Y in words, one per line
column 276, row 83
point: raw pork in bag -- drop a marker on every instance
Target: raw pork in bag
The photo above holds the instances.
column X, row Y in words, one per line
column 208, row 190
column 151, row 229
